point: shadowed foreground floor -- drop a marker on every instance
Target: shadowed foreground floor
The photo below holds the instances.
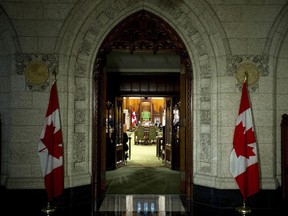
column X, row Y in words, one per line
column 143, row 187
column 143, row 180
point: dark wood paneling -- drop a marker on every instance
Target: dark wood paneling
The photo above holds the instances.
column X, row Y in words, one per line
column 121, row 84
column 0, row 144
column 284, row 155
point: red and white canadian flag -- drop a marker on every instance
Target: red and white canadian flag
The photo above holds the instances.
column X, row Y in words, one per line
column 134, row 119
column 50, row 148
column 243, row 159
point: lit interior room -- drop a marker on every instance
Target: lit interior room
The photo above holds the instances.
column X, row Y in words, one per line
column 144, row 123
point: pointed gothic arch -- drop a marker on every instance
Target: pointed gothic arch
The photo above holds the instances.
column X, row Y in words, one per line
column 147, row 32
column 82, row 36
column 10, row 48
column 142, row 31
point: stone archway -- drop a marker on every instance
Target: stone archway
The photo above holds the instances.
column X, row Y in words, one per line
column 10, row 49
column 143, row 31
column 79, row 41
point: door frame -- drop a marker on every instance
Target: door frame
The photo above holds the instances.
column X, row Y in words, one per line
column 98, row 145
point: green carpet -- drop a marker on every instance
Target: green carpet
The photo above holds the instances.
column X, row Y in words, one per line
column 143, row 180
column 144, row 173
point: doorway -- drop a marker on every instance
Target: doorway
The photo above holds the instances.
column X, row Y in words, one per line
column 148, row 123
column 150, row 34
column 149, row 169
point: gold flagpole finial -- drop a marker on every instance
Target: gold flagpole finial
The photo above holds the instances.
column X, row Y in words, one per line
column 54, row 74
column 245, row 76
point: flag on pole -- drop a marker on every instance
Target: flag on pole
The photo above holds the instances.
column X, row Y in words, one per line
column 50, row 148
column 134, row 119
column 243, row 159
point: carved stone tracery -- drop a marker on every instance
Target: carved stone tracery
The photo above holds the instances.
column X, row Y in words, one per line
column 142, row 31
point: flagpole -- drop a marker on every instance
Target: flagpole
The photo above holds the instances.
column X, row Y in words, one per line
column 49, row 209
column 53, row 107
column 244, row 209
column 245, row 190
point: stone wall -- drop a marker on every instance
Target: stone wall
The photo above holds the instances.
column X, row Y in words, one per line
column 66, row 37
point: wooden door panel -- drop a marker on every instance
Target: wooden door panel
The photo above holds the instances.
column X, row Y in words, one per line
column 119, row 155
column 168, row 133
column 119, row 122
column 168, row 155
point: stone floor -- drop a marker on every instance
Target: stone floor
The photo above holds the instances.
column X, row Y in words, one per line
column 144, row 187
column 130, row 204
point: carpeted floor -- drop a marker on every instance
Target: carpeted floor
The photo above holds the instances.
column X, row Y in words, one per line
column 144, row 173
column 143, row 180
column 143, row 156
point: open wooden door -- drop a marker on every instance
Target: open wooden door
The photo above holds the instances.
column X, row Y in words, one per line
column 185, row 129
column 119, row 122
column 168, row 133
column 176, row 134
column 172, row 133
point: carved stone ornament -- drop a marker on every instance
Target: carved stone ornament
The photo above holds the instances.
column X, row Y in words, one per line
column 250, row 70
column 36, row 72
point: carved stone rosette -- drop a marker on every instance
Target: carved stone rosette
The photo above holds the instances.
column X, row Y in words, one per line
column 37, row 69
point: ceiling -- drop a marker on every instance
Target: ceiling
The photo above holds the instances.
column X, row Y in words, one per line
column 123, row 61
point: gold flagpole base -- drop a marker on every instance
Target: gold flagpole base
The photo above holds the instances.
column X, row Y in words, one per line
column 244, row 210
column 48, row 210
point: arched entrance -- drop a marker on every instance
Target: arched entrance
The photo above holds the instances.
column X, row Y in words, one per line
column 142, row 31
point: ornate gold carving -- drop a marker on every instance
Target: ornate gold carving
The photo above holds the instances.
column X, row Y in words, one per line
column 248, row 69
column 36, row 72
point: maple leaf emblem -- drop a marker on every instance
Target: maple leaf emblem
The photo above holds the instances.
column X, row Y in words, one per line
column 53, row 141
column 241, row 141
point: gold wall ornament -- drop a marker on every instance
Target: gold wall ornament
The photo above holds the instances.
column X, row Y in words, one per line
column 36, row 72
column 250, row 70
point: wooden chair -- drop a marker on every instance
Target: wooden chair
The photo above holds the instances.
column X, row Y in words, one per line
column 152, row 135
column 140, row 139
